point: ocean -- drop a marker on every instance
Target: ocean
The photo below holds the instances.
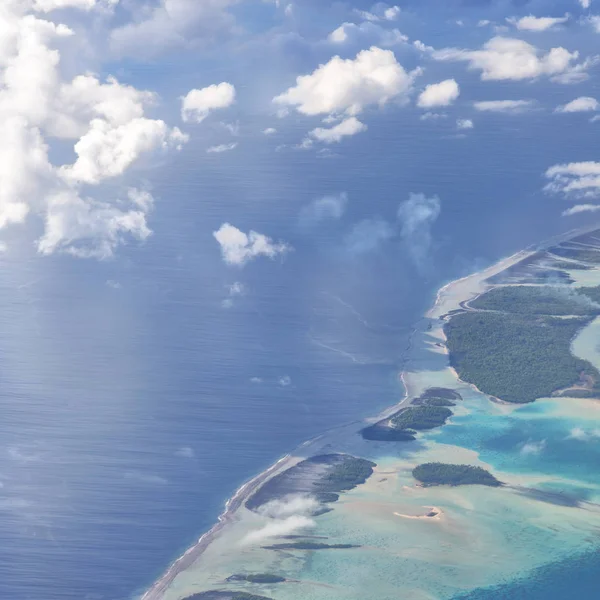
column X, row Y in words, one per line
column 134, row 403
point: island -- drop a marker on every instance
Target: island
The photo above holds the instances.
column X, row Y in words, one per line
column 514, row 343
column 431, row 474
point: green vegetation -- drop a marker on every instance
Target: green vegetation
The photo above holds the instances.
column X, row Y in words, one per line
column 421, row 417
column 309, row 546
column 430, row 474
column 345, row 475
column 433, row 402
column 437, row 392
column 225, row 595
column 516, row 358
column 257, row 578
column 529, row 300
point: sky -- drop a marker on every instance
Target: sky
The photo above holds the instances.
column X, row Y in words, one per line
column 96, row 96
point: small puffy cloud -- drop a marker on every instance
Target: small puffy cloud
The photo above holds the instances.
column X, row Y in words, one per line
column 578, row 179
column 353, row 33
column 483, row 23
column 432, row 116
column 582, row 435
column 439, row 94
column 348, row 127
column 464, row 124
column 594, row 21
column 327, row 208
column 391, row 13
column 197, row 104
column 533, row 448
column 185, row 452
column 289, row 506
column 235, row 290
column 504, row 106
column 581, row 104
column 585, row 3
column 531, row 23
column 270, row 131
column 285, row 381
column 220, row 148
column 350, row 85
column 580, row 208
column 238, row 248
column 416, row 216
column 368, row 235
column 503, row 58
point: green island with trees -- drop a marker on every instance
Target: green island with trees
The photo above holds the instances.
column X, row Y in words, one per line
column 431, row 474
column 536, row 300
column 421, row 417
column 257, row 578
column 515, row 357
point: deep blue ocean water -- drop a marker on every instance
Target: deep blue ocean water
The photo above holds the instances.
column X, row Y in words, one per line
column 129, row 410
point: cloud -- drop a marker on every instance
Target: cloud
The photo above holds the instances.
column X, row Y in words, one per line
column 581, row 104
column 368, row 235
column 172, row 23
column 235, row 290
column 585, row 3
column 353, row 33
column 416, row 216
column 270, row 131
column 285, row 381
column 578, row 433
column 504, row 106
column 289, row 506
column 379, row 12
column 185, row 452
column 432, row 116
column 238, row 248
column 104, row 120
column 289, row 526
column 579, row 179
column 503, row 59
column 326, row 208
column 532, row 23
column 196, row 105
column 348, row 127
column 579, row 208
column 219, row 149
column 350, row 85
column 439, row 94
column 594, row 21
column 533, row 448
column 464, row 124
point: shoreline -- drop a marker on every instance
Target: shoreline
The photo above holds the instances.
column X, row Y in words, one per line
column 236, row 502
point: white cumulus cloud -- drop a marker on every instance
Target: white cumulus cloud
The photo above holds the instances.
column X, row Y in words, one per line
column 439, row 94
column 348, row 127
column 197, row 104
column 350, row 85
column 104, row 120
column 238, row 248
column 464, row 124
column 578, row 179
column 581, row 104
column 580, row 208
column 531, row 23
column 504, row 106
column 220, row 148
column 503, row 58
